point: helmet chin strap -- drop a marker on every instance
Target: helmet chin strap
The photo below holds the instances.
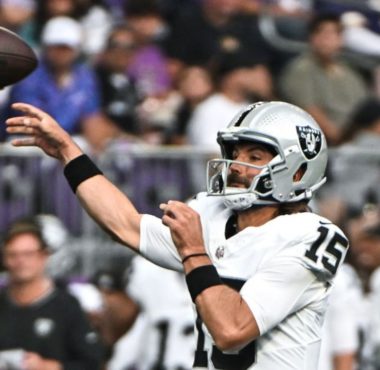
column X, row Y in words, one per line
column 241, row 202
column 244, row 201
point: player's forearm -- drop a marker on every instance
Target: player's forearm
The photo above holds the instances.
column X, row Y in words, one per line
column 224, row 312
column 68, row 151
column 111, row 209
column 227, row 317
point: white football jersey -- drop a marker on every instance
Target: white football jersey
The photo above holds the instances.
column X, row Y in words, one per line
column 168, row 341
column 371, row 324
column 282, row 269
column 341, row 327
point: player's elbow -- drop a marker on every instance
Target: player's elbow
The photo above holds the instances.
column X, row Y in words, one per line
column 230, row 340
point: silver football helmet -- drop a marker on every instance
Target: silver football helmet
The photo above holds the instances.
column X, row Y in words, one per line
column 297, row 143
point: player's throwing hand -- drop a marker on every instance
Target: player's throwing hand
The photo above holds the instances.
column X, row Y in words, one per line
column 43, row 131
column 185, row 227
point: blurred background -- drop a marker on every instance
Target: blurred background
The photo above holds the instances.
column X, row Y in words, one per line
column 143, row 86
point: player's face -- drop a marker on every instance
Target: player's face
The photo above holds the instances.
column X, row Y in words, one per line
column 241, row 176
column 24, row 259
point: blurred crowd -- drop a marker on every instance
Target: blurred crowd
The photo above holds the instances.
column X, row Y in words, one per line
column 172, row 73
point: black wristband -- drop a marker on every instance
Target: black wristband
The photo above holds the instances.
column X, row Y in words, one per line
column 194, row 255
column 202, row 278
column 80, row 169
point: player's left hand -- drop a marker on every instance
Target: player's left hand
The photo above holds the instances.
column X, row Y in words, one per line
column 185, row 227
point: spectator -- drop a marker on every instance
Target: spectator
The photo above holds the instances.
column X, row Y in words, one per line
column 150, row 70
column 45, row 324
column 149, row 67
column 290, row 15
column 14, row 14
column 194, row 86
column 364, row 231
column 357, row 154
column 238, row 81
column 198, row 33
column 119, row 95
column 320, row 83
column 48, row 9
column 93, row 17
column 62, row 85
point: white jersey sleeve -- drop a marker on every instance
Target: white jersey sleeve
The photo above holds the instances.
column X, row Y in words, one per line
column 156, row 244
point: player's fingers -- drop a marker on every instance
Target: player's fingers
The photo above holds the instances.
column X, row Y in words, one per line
column 30, row 110
column 21, row 130
column 22, row 121
column 179, row 211
column 168, row 211
column 30, row 141
column 168, row 221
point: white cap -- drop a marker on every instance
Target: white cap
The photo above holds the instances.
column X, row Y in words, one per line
column 62, row 31
column 353, row 19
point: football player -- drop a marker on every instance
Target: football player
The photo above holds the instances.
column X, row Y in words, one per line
column 259, row 265
column 167, row 339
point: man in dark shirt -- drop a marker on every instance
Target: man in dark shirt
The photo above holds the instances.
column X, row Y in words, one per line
column 118, row 91
column 43, row 323
column 199, row 33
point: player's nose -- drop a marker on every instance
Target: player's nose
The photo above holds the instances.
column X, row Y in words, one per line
column 236, row 167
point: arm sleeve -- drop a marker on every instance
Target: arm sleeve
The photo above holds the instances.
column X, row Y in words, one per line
column 156, row 244
column 285, row 284
column 84, row 348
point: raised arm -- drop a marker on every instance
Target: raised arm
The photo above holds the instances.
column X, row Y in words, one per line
column 103, row 201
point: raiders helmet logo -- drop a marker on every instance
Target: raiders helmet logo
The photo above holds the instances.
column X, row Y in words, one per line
column 310, row 140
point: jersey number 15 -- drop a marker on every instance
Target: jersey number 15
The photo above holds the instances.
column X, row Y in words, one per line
column 331, row 249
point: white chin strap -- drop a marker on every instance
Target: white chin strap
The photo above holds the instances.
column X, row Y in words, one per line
column 239, row 202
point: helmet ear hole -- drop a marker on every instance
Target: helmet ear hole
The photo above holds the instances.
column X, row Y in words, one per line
column 300, row 172
column 264, row 185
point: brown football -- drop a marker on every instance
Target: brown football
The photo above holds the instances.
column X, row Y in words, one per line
column 17, row 59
